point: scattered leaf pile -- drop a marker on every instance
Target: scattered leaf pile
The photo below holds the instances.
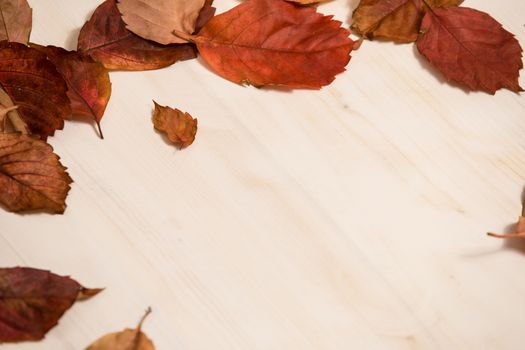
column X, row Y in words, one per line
column 468, row 46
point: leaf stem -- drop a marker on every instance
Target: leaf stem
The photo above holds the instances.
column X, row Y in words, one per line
column 148, row 311
column 184, row 36
column 99, row 130
column 508, row 235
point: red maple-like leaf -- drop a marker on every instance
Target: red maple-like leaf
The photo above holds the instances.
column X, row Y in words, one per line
column 273, row 42
column 471, row 48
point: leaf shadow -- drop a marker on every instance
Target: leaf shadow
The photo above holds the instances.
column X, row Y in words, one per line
column 71, row 41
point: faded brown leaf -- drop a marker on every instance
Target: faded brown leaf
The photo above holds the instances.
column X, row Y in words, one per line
column 180, row 127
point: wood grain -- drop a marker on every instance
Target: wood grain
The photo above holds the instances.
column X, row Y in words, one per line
column 348, row 218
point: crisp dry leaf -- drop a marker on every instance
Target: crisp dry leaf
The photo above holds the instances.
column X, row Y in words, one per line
column 273, row 42
column 31, row 176
column 180, row 127
column 32, row 301
column 16, row 20
column 34, row 84
column 471, row 48
column 89, row 86
column 157, row 19
column 519, row 231
column 128, row 339
column 397, row 20
column 105, row 38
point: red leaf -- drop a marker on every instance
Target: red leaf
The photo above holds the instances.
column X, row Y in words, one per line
column 32, row 301
column 471, row 48
column 273, row 42
column 105, row 38
column 35, row 86
column 89, row 87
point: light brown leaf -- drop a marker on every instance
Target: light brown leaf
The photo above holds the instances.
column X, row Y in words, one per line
column 157, row 19
column 31, row 176
column 397, row 20
column 15, row 20
column 180, row 127
column 128, row 339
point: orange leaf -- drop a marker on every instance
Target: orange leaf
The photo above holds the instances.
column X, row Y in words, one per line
column 397, row 20
column 35, row 86
column 180, row 127
column 105, row 38
column 471, row 48
column 273, row 42
column 16, row 20
column 89, row 87
column 32, row 301
column 157, row 19
column 31, row 176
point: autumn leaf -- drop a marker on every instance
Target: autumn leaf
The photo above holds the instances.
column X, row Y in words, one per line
column 519, row 231
column 272, row 42
column 89, row 86
column 397, row 20
column 471, row 48
column 15, row 21
column 32, row 301
column 180, row 127
column 128, row 339
column 157, row 19
column 105, row 38
column 34, row 85
column 31, row 176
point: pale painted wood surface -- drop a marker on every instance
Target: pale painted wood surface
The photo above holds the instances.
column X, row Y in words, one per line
column 348, row 218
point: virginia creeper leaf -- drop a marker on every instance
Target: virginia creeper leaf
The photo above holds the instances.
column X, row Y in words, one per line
column 31, row 176
column 128, row 339
column 16, row 19
column 89, row 87
column 397, row 20
column 180, row 127
column 471, row 48
column 35, row 86
column 273, row 42
column 157, row 19
column 105, row 38
column 32, row 301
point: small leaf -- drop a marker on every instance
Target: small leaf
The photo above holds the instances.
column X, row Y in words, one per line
column 32, row 301
column 397, row 20
column 89, row 87
column 105, row 38
column 471, row 48
column 180, row 127
column 273, row 42
column 35, row 86
column 157, row 19
column 15, row 20
column 128, row 339
column 31, row 176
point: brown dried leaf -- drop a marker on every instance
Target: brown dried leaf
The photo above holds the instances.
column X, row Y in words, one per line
column 89, row 86
column 128, row 339
column 34, row 84
column 105, row 38
column 180, row 127
column 15, row 20
column 32, row 301
column 31, row 176
column 397, row 20
column 157, row 19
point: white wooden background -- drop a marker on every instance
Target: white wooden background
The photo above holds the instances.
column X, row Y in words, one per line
column 348, row 218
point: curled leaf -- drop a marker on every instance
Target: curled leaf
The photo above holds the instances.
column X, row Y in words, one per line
column 128, row 339
column 471, row 48
column 180, row 127
column 89, row 86
column 32, row 301
column 157, row 19
column 273, row 42
column 397, row 20
column 35, row 86
column 31, row 176
column 15, row 20
column 105, row 38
